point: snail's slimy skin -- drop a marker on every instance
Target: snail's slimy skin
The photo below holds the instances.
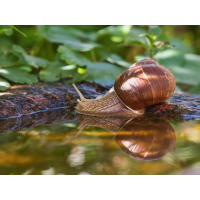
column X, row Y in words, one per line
column 107, row 105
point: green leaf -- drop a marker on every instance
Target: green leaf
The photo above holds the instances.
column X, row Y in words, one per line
column 149, row 38
column 64, row 34
column 135, row 32
column 5, row 44
column 185, row 76
column 16, row 75
column 80, row 34
column 133, row 38
column 195, row 90
column 169, row 58
column 55, row 71
column 5, row 27
column 4, row 85
column 26, row 68
column 30, row 60
column 51, row 73
column 8, row 59
column 102, row 72
column 72, row 57
column 192, row 62
column 18, row 30
column 136, row 42
column 192, row 58
column 116, row 59
column 120, row 30
column 80, row 46
column 59, row 35
column 69, row 70
column 154, row 30
column 77, row 78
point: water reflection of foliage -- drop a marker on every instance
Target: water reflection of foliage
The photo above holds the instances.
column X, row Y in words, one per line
column 42, row 150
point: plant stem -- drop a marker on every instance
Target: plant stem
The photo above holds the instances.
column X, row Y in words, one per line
column 93, row 55
column 151, row 53
column 18, row 30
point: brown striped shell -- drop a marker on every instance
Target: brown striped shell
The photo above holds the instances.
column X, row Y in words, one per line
column 144, row 84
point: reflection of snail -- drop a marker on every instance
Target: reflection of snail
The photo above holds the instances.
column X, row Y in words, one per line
column 145, row 83
column 139, row 138
column 146, row 139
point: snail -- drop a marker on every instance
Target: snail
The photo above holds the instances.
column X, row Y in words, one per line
column 143, row 139
column 144, row 84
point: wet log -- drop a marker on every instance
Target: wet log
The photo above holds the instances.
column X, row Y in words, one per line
column 25, row 106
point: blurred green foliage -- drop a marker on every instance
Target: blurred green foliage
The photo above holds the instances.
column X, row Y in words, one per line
column 29, row 54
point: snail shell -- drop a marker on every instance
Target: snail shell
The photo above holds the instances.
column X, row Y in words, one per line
column 145, row 83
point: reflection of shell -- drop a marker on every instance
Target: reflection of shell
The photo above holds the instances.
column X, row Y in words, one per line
column 146, row 139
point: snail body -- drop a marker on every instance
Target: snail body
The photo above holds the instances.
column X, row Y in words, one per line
column 145, row 83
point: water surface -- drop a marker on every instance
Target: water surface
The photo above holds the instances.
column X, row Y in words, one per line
column 85, row 145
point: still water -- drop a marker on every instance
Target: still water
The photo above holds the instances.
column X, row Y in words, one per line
column 83, row 145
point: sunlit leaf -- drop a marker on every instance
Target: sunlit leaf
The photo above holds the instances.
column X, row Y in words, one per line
column 51, row 73
column 72, row 57
column 31, row 60
column 114, row 30
column 116, row 59
column 4, row 85
column 16, row 75
column 192, row 58
column 26, row 68
column 69, row 70
column 77, row 78
column 185, row 76
column 8, row 59
column 169, row 58
column 102, row 72
column 192, row 62
column 56, row 71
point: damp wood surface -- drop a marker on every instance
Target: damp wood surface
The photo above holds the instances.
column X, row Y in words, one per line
column 25, row 106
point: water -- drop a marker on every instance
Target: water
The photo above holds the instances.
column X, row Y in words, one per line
column 63, row 145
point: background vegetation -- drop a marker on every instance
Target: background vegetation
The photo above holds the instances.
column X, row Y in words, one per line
column 29, row 54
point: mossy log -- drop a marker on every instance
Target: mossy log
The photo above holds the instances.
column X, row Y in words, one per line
column 25, row 106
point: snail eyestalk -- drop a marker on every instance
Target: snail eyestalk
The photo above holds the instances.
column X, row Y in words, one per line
column 107, row 105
